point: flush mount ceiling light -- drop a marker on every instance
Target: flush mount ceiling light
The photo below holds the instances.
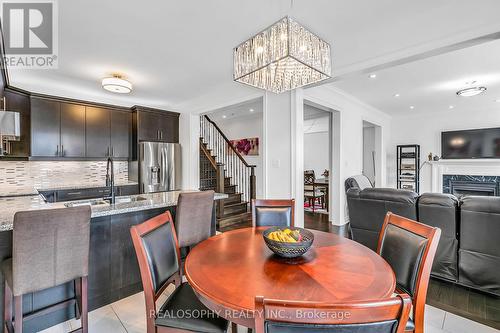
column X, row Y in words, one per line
column 117, row 84
column 282, row 57
column 372, row 76
column 471, row 91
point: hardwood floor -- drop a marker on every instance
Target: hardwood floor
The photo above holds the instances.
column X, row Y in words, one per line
column 462, row 301
column 465, row 302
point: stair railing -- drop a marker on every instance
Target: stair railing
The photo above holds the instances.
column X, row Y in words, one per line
column 241, row 173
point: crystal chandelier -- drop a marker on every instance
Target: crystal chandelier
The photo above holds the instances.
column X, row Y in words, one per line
column 283, row 57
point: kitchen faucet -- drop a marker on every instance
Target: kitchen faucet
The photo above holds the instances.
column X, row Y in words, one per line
column 110, row 179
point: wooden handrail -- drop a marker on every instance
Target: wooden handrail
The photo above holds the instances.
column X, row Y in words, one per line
column 229, row 143
column 208, row 155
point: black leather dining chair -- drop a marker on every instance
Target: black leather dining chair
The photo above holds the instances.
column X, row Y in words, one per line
column 278, row 213
column 409, row 247
column 382, row 316
column 157, row 251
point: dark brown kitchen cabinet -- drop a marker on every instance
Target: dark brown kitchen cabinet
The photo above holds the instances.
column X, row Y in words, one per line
column 45, row 128
column 155, row 125
column 57, row 129
column 169, row 128
column 72, row 130
column 98, row 131
column 20, row 102
column 121, row 128
column 148, row 128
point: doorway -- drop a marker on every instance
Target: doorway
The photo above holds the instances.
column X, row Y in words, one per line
column 321, row 154
column 371, row 151
column 317, row 146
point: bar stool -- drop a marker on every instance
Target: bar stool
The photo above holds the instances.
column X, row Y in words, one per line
column 193, row 217
column 50, row 248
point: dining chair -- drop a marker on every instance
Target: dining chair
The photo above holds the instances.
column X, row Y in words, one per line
column 382, row 316
column 158, row 254
column 409, row 247
column 280, row 213
column 311, row 191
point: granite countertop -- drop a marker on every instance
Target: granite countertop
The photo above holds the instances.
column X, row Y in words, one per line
column 10, row 205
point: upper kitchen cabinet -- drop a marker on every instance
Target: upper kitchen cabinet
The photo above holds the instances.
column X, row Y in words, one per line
column 121, row 134
column 108, row 133
column 57, row 129
column 76, row 130
column 45, row 128
column 20, row 102
column 156, row 125
column 72, row 130
column 98, row 129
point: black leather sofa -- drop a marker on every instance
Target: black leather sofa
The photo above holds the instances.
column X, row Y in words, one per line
column 479, row 251
column 441, row 211
column 367, row 209
column 469, row 249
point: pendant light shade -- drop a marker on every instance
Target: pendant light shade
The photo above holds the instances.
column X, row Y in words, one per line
column 283, row 57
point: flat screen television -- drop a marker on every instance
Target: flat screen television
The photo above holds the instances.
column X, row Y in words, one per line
column 477, row 143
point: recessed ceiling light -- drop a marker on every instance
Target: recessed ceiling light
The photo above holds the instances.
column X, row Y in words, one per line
column 372, row 76
column 224, row 116
column 397, row 95
column 472, row 91
column 412, row 107
column 117, row 84
column 451, row 107
column 497, row 100
column 251, row 110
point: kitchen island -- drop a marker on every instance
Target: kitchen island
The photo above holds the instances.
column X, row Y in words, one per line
column 113, row 268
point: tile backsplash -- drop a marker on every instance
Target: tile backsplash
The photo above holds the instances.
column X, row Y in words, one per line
column 22, row 177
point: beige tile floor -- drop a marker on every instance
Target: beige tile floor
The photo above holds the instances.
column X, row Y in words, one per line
column 129, row 316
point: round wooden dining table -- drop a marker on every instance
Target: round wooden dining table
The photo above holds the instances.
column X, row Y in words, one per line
column 229, row 270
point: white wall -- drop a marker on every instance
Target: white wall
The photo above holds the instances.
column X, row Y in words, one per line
column 283, row 149
column 352, row 113
column 250, row 126
column 425, row 129
column 368, row 149
column 316, row 152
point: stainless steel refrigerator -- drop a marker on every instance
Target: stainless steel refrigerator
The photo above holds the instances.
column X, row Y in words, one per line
column 159, row 167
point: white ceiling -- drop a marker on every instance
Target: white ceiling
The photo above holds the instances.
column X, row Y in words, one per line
column 430, row 85
column 239, row 111
column 174, row 51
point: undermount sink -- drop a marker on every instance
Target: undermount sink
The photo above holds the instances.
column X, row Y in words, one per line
column 86, row 203
column 129, row 199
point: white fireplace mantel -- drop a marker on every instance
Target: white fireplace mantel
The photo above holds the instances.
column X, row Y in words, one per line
column 475, row 167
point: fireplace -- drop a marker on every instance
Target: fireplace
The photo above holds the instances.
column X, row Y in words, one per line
column 460, row 185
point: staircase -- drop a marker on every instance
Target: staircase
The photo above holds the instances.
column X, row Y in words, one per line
column 224, row 170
